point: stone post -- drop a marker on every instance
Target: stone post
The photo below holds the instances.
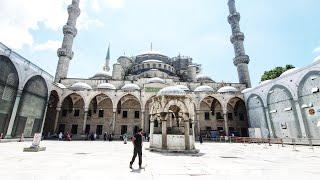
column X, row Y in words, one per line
column 186, row 133
column 56, row 120
column 85, row 121
column 13, row 114
column 225, row 116
column 164, row 130
column 142, row 121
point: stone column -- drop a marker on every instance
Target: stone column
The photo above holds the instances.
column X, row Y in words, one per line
column 13, row 114
column 225, row 116
column 44, row 118
column 271, row 130
column 142, row 121
column 301, row 120
column 114, row 121
column 151, row 129
column 164, row 130
column 85, row 121
column 56, row 120
column 198, row 123
column 186, row 133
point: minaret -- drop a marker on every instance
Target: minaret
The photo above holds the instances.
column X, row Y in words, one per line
column 241, row 60
column 65, row 53
column 107, row 65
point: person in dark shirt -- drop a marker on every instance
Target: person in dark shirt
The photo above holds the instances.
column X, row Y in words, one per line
column 137, row 143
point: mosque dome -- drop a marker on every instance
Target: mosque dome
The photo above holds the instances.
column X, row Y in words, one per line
column 316, row 59
column 152, row 61
column 80, row 86
column 61, row 86
column 156, row 80
column 246, row 90
column 203, row 78
column 228, row 89
column 151, row 52
column 206, row 89
column 289, row 72
column 107, row 86
column 130, row 87
column 102, row 74
column 183, row 87
column 171, row 91
column 265, row 82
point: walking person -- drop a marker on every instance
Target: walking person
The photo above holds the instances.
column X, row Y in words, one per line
column 200, row 139
column 60, row 136
column 137, row 143
column 105, row 136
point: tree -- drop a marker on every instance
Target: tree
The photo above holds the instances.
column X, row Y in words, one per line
column 276, row 72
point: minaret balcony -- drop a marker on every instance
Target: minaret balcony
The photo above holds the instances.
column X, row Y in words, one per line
column 73, row 9
column 71, row 30
column 244, row 59
column 65, row 52
column 235, row 17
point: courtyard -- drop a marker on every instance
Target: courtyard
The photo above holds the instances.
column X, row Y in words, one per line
column 104, row 160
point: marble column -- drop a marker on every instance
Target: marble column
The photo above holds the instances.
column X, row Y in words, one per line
column 114, row 113
column 13, row 114
column 270, row 126
column 56, row 120
column 226, row 127
column 44, row 118
column 198, row 123
column 151, row 129
column 85, row 118
column 187, row 134
column 142, row 121
column 301, row 120
column 164, row 130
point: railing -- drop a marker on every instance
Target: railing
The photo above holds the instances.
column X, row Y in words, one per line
column 15, row 56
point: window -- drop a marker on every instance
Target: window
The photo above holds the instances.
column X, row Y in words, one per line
column 148, row 66
column 156, row 124
column 219, row 115
column 124, row 129
column 64, row 113
column 76, row 113
column 207, row 116
column 154, row 65
column 99, row 129
column 87, row 130
column 74, row 129
column 230, row 118
column 220, row 128
column 165, row 66
column 137, row 114
column 101, row 113
column 159, row 65
column 124, row 114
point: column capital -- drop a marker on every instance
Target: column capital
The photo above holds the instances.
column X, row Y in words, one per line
column 58, row 108
column 19, row 93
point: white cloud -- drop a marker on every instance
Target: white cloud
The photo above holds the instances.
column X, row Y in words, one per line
column 317, row 50
column 19, row 17
column 115, row 3
column 95, row 5
column 48, row 46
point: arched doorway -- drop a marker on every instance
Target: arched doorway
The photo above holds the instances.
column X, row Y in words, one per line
column 128, row 118
column 72, row 115
column 309, row 100
column 9, row 82
column 257, row 115
column 49, row 123
column 147, row 115
column 283, row 115
column 211, row 118
column 100, row 115
column 238, row 123
column 31, row 108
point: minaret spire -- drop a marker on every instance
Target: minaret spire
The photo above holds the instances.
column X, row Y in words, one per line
column 107, row 65
column 65, row 53
column 241, row 60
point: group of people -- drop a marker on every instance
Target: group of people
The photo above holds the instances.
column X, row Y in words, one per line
column 67, row 136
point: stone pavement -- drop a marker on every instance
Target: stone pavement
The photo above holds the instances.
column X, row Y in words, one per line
column 85, row 160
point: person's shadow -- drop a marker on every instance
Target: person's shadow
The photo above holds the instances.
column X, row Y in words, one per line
column 137, row 170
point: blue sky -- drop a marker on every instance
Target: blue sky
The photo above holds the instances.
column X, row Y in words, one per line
column 278, row 32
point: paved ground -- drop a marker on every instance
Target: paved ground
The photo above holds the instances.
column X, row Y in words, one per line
column 105, row 160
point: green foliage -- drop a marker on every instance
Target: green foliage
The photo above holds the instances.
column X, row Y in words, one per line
column 276, row 72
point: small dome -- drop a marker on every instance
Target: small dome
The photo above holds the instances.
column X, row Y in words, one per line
column 316, row 59
column 228, row 89
column 61, row 86
column 106, row 86
column 183, row 87
column 203, row 78
column 102, row 74
column 80, row 86
column 206, row 89
column 265, row 82
column 288, row 72
column 156, row 80
column 152, row 61
column 130, row 87
column 247, row 90
column 171, row 91
column 151, row 52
